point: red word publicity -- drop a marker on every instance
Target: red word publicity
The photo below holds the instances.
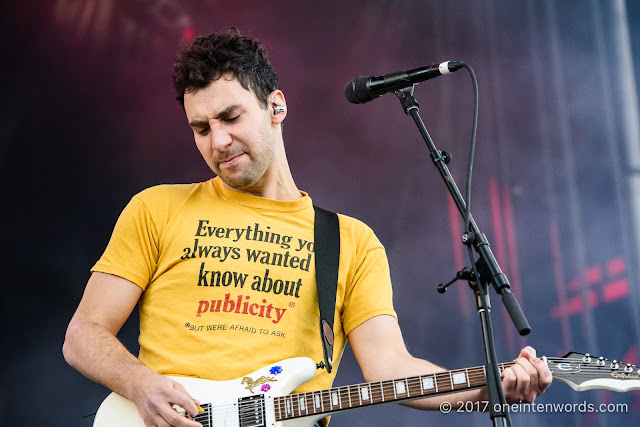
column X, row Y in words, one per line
column 237, row 305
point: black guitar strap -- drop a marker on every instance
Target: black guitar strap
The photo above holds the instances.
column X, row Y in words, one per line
column 327, row 260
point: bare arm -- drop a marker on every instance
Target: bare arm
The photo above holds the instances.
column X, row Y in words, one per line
column 92, row 348
column 382, row 354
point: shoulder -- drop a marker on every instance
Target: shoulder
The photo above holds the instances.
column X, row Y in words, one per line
column 160, row 202
column 358, row 233
column 168, row 196
column 168, row 192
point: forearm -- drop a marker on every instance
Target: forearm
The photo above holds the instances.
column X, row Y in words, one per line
column 455, row 400
column 526, row 379
column 96, row 353
column 412, row 366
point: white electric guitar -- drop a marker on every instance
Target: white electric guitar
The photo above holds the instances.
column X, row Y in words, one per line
column 262, row 398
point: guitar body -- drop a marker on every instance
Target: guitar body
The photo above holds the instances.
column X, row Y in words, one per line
column 223, row 399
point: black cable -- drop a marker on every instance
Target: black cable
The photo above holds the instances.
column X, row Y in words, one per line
column 467, row 212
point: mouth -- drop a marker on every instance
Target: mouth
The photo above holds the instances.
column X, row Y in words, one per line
column 231, row 160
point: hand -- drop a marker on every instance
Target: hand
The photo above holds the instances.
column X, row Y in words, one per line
column 527, row 378
column 155, row 396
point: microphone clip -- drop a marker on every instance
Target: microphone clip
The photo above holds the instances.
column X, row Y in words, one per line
column 465, row 274
column 405, row 95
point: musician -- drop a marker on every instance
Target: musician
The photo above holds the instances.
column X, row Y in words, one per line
column 223, row 269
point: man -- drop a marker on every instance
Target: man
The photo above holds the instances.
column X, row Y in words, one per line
column 222, row 269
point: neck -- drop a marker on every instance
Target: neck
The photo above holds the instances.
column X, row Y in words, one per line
column 281, row 188
column 277, row 182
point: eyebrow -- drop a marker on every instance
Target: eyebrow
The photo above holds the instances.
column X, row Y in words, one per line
column 222, row 114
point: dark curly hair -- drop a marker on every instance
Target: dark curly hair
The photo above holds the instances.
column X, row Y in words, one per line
column 208, row 58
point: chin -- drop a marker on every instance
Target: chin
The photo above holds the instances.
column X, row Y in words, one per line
column 238, row 183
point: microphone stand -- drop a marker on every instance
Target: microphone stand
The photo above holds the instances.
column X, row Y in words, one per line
column 486, row 270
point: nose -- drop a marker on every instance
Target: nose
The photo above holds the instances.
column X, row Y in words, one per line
column 220, row 138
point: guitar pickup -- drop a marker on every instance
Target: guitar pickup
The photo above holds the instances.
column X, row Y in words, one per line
column 251, row 411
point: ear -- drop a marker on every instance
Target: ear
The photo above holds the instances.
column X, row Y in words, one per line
column 277, row 107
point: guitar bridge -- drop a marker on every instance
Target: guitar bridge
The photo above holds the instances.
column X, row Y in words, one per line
column 251, row 411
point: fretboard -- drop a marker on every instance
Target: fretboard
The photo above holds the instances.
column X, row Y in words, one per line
column 343, row 398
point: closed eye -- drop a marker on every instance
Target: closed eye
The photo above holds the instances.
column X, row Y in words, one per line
column 203, row 131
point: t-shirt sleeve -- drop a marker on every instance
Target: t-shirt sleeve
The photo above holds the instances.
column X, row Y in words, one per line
column 132, row 252
column 369, row 292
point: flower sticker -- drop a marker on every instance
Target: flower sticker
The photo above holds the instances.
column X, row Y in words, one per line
column 265, row 387
column 275, row 370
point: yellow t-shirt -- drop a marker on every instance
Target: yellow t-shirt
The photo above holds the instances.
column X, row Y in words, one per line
column 229, row 280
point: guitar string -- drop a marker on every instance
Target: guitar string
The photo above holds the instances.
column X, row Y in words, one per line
column 377, row 389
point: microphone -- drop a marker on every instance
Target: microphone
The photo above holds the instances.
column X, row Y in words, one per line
column 365, row 88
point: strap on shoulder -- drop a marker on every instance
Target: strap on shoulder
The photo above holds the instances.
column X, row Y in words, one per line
column 327, row 260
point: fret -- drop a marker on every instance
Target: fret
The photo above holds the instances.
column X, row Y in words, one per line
column 294, row 405
column 300, row 403
column 343, row 397
column 289, row 409
column 478, row 376
column 373, row 392
column 389, row 391
column 443, row 382
column 457, row 379
column 278, row 402
column 359, row 396
column 283, row 403
column 484, row 372
column 428, row 383
column 326, row 397
column 335, row 398
column 415, row 385
column 364, row 393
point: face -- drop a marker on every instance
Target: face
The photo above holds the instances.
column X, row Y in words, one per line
column 234, row 132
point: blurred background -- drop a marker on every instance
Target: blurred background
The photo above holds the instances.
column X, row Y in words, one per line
column 88, row 118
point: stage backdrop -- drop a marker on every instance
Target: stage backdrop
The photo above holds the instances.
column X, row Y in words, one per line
column 88, row 119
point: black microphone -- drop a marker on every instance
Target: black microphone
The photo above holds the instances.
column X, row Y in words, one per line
column 365, row 88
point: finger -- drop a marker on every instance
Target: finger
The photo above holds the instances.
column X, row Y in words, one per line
column 522, row 381
column 545, row 377
column 531, row 371
column 173, row 418
column 184, row 400
column 528, row 353
column 155, row 420
column 509, row 381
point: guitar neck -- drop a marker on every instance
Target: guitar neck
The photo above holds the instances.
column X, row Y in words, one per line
column 355, row 396
column 231, row 405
